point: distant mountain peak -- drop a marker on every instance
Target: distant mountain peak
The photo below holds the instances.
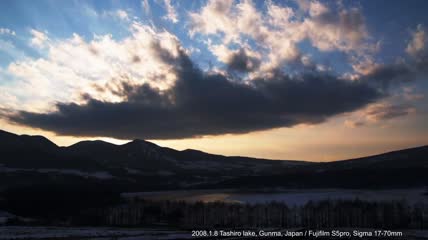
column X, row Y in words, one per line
column 7, row 134
column 196, row 152
column 38, row 139
column 91, row 143
column 192, row 150
column 140, row 142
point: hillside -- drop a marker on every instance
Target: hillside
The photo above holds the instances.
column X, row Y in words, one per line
column 141, row 165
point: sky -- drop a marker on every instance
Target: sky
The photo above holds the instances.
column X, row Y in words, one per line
column 303, row 80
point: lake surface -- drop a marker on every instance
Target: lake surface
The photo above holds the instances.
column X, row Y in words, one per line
column 290, row 196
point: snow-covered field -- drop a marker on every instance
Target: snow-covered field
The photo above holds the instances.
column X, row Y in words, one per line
column 100, row 174
column 99, row 233
column 291, row 196
column 5, row 216
column 90, row 233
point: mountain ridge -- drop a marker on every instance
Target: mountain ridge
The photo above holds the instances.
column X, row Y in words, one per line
column 145, row 165
column 6, row 133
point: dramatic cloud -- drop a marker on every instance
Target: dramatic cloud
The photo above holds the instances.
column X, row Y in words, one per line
column 205, row 104
column 343, row 29
column 401, row 104
column 74, row 66
column 387, row 75
column 146, row 85
column 380, row 113
column 242, row 60
column 277, row 33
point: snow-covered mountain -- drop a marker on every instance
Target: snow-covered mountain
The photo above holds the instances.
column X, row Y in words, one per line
column 142, row 165
column 25, row 157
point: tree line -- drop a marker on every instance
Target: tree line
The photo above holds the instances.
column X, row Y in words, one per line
column 316, row 215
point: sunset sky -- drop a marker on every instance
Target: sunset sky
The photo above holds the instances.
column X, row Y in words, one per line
column 307, row 80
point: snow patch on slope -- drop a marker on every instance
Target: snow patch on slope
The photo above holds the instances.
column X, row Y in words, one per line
column 100, row 174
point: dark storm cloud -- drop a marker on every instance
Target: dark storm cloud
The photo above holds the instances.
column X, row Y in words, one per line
column 349, row 20
column 241, row 61
column 211, row 104
column 205, row 104
column 385, row 76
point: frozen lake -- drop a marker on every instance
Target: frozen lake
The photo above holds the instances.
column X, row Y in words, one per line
column 290, row 196
column 90, row 233
column 103, row 233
